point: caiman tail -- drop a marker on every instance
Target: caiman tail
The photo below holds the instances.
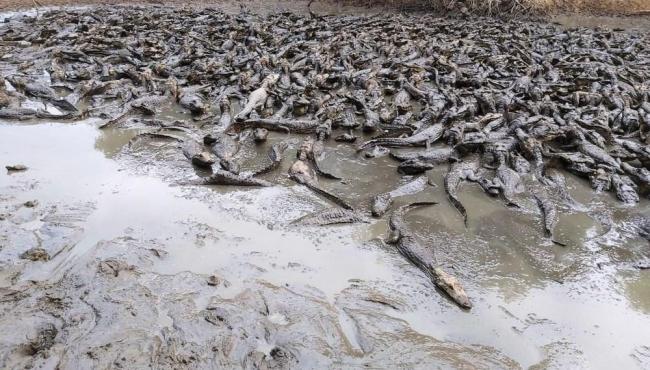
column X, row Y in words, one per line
column 396, row 225
column 324, row 173
column 63, row 104
column 266, row 169
column 390, row 142
column 459, row 207
column 406, row 208
column 329, row 196
column 119, row 119
column 221, row 177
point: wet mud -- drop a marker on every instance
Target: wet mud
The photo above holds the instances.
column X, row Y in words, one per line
column 107, row 262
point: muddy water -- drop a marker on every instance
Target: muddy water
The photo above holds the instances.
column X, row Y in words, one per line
column 102, row 199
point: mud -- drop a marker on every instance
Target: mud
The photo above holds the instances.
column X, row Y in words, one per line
column 143, row 274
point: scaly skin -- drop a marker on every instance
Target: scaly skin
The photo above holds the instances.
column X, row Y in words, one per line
column 625, row 189
column 197, row 154
column 257, row 98
column 275, row 155
column 425, row 137
column 302, row 174
column 509, row 182
column 430, row 155
column 193, row 102
column 414, row 167
column 381, row 202
column 402, row 101
column 145, row 104
column 312, row 150
column 549, row 214
column 597, row 153
column 640, row 173
column 423, row 257
column 225, row 120
column 17, row 113
column 283, row 125
column 330, row 216
column 458, row 172
column 224, row 146
column 222, row 177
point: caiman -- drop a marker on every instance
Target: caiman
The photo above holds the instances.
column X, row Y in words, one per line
column 41, row 91
column 225, row 120
column 425, row 137
column 594, row 151
column 330, row 216
column 377, row 152
column 197, row 154
column 432, row 155
column 346, row 138
column 414, row 167
column 549, row 215
column 625, row 189
column 371, row 117
column 508, row 181
column 192, row 101
column 17, row 113
column 643, row 151
column 225, row 147
column 312, row 150
column 348, row 119
column 147, row 104
column 459, row 172
column 600, row 180
column 560, row 188
column 281, row 124
column 60, row 116
column 257, row 98
column 381, row 202
column 640, row 173
column 301, row 173
column 423, row 257
column 222, row 177
column 402, row 101
column 275, row 155
column 519, row 163
column 260, row 135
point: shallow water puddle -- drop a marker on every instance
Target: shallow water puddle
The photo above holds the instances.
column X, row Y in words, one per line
column 67, row 164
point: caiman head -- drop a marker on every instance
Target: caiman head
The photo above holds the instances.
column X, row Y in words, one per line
column 270, row 80
column 393, row 236
column 172, row 87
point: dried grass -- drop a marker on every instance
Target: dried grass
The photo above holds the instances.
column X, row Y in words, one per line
column 516, row 6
